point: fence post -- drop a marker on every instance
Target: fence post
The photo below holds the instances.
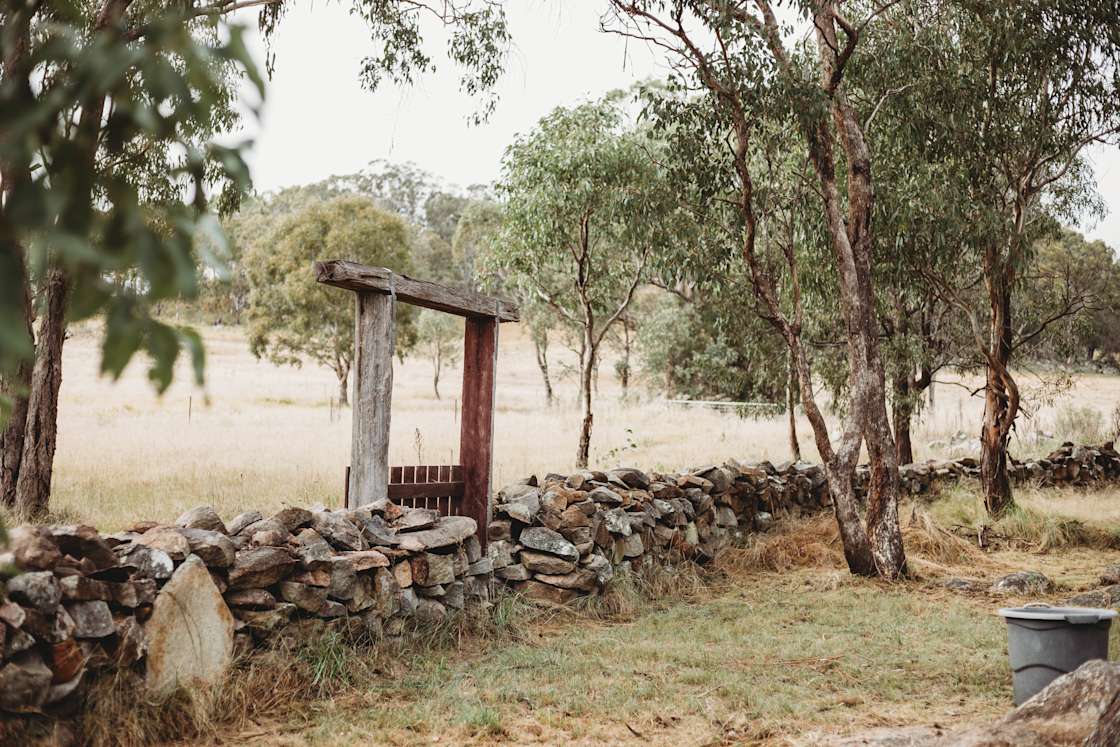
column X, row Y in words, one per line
column 374, row 340
column 476, row 435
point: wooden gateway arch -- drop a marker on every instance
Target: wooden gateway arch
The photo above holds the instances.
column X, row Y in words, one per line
column 459, row 489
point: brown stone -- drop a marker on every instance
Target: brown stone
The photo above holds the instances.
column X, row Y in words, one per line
column 539, row 562
column 312, row 549
column 12, row 614
column 81, row 541
column 317, row 577
column 167, row 539
column 202, row 517
column 573, row 516
column 580, row 580
column 83, row 589
column 516, row 572
column 416, row 519
column 66, row 661
column 339, row 531
column 430, row 569
column 451, row 530
column 260, row 567
column 51, row 627
column 135, row 593
column 293, row 517
column 131, row 643
column 254, row 599
column 33, row 548
column 545, row 593
column 24, row 683
column 402, row 571
column 307, row 598
column 215, row 548
column 363, row 560
column 243, row 520
column 343, row 579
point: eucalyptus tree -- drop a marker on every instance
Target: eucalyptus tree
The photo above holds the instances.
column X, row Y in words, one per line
column 1005, row 98
column 291, row 316
column 583, row 209
column 734, row 68
column 109, row 172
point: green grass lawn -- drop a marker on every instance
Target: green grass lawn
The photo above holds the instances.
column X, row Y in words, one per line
column 769, row 657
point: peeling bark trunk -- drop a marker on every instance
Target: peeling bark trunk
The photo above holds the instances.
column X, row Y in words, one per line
column 1001, row 405
column 33, row 487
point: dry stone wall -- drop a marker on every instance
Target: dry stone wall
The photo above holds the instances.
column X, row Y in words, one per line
column 179, row 601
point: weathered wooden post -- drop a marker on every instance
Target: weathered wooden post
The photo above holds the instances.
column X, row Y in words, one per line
column 463, row 488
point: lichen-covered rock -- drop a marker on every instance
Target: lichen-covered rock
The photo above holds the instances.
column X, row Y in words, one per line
column 38, row 589
column 92, row 619
column 546, row 540
column 1022, row 582
column 190, row 633
column 149, row 562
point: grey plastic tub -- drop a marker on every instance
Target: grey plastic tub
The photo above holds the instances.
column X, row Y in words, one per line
column 1045, row 642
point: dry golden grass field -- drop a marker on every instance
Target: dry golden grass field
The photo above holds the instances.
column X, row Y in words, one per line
column 260, row 435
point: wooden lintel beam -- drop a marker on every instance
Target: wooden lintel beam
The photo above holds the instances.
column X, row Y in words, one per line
column 363, row 278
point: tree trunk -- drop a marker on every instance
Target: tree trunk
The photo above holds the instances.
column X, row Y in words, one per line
column 791, row 405
column 437, row 362
column 344, row 388
column 624, row 369
column 33, row 487
column 1001, row 403
column 584, row 448
column 17, row 386
column 540, row 345
column 902, row 410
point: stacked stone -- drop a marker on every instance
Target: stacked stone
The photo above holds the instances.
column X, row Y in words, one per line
column 82, row 600
column 1071, row 465
column 566, row 536
column 1067, row 465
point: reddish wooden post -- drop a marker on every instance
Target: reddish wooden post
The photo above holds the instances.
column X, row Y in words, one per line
column 476, row 435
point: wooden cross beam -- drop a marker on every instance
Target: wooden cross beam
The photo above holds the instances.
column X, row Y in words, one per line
column 377, row 290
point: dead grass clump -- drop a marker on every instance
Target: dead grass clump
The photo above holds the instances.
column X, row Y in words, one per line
column 118, row 709
column 924, row 538
column 807, row 543
column 652, row 586
column 1051, row 532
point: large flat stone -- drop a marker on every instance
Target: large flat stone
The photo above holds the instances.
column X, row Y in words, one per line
column 450, row 530
column 190, row 632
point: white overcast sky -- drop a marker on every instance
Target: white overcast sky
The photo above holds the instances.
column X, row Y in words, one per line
column 318, row 121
